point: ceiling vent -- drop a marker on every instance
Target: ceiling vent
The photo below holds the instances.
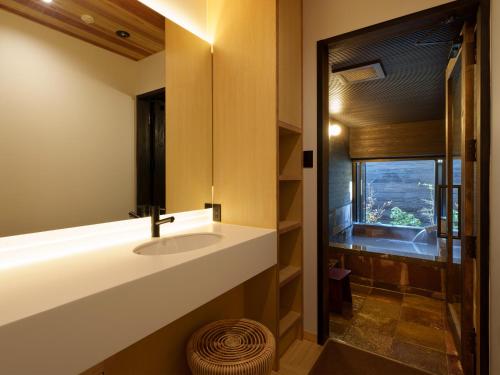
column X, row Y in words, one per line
column 359, row 73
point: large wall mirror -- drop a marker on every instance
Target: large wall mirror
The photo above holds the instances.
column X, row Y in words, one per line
column 105, row 108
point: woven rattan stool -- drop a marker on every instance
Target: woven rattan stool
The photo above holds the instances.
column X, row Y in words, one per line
column 231, row 346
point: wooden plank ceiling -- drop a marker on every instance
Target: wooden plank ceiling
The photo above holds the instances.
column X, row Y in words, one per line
column 146, row 27
column 413, row 89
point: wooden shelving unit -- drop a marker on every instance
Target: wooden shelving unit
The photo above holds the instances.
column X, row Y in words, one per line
column 290, row 190
column 285, row 177
column 288, row 322
column 288, row 225
column 288, row 273
column 285, row 128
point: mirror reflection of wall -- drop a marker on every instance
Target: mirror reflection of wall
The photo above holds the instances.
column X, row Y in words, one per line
column 68, row 115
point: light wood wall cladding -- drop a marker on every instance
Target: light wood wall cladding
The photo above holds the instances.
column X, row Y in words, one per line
column 289, row 54
column 261, row 300
column 146, row 27
column 245, row 110
column 416, row 139
column 188, row 130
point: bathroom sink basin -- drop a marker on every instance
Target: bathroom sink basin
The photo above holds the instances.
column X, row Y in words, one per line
column 178, row 244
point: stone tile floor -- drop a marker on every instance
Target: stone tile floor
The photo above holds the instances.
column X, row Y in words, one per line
column 405, row 327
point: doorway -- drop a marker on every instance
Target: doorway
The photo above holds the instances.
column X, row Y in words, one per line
column 150, row 152
column 394, row 199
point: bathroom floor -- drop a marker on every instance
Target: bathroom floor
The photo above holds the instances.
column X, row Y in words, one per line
column 405, row 327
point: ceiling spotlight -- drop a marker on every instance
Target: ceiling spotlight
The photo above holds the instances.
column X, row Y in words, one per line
column 122, row 34
column 47, row 1
column 334, row 130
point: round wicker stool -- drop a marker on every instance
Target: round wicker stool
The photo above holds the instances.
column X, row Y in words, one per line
column 231, row 346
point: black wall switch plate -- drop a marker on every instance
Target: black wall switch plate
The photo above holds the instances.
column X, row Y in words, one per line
column 307, row 160
column 216, row 211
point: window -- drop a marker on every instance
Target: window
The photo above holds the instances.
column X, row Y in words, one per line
column 401, row 192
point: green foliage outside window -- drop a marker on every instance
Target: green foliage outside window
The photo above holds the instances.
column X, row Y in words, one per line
column 400, row 217
column 374, row 212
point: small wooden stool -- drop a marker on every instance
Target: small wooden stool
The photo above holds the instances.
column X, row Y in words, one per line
column 340, row 288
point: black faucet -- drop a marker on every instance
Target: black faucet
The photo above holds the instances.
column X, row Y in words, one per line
column 156, row 222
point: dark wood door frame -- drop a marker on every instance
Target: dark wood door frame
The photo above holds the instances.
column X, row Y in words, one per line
column 386, row 29
column 150, row 151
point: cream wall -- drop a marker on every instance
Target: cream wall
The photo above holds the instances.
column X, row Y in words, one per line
column 67, row 128
column 494, row 194
column 150, row 73
column 324, row 19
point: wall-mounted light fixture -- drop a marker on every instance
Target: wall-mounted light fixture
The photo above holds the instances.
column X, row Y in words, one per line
column 335, row 105
column 334, row 130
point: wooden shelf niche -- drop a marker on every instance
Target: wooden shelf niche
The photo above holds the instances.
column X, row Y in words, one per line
column 290, row 190
column 290, row 155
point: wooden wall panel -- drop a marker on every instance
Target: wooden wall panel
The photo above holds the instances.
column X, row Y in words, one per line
column 189, row 120
column 417, row 139
column 260, row 299
column 245, row 110
column 290, row 62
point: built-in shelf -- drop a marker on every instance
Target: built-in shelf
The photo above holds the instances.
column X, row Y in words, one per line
column 288, row 274
column 288, row 321
column 290, row 174
column 288, row 225
column 288, row 129
column 285, row 177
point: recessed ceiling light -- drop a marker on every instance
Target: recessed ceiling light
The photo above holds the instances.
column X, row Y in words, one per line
column 122, row 34
column 47, row 1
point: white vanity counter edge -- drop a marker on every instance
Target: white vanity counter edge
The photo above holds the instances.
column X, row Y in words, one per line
column 63, row 311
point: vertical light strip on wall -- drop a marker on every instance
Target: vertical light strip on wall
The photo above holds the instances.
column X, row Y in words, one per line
column 213, row 156
column 176, row 15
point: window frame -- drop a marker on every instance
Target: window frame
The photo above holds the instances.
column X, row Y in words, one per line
column 359, row 170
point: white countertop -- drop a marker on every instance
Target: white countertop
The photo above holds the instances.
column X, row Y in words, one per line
column 71, row 298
